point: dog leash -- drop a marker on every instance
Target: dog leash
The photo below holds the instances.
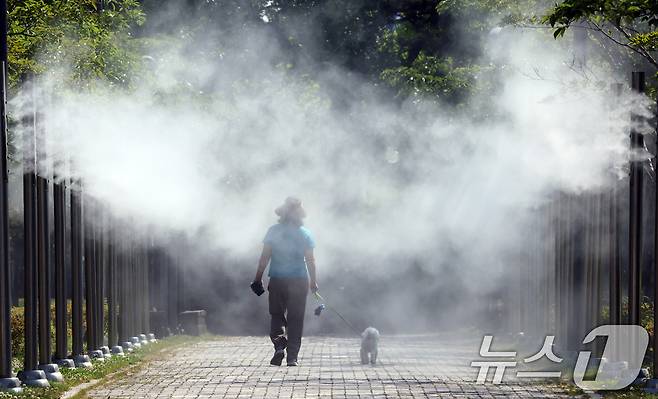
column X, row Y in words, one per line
column 323, row 304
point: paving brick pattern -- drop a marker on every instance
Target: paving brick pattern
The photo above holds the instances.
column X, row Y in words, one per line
column 238, row 367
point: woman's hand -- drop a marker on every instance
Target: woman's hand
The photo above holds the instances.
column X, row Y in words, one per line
column 314, row 286
column 257, row 288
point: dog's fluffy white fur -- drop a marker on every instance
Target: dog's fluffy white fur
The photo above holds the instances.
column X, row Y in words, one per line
column 369, row 343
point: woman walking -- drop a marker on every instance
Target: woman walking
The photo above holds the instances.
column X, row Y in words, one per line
column 288, row 249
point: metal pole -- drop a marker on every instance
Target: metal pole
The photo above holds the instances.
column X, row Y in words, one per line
column 42, row 271
column 77, row 274
column 586, row 286
column 7, row 380
column 139, row 297
column 142, row 303
column 43, row 264
column 30, row 375
column 90, row 282
column 173, row 300
column 121, row 291
column 60, row 271
column 655, row 272
column 93, row 264
column 181, row 288
column 113, row 293
column 111, row 301
column 558, row 265
column 154, row 287
column 552, row 255
column 598, row 224
column 615, row 259
column 61, row 333
column 144, row 300
column 575, row 265
column 615, row 250
column 100, row 292
column 147, row 301
column 29, row 241
column 567, row 281
column 98, row 259
column 132, row 294
column 562, row 269
column 124, row 328
column 635, row 222
column 43, row 258
column 92, row 220
column 104, row 290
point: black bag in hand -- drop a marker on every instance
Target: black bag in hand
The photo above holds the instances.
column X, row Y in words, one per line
column 257, row 288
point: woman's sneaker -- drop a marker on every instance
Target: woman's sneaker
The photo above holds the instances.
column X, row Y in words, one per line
column 292, row 363
column 277, row 358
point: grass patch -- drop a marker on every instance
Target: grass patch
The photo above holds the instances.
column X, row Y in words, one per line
column 570, row 389
column 629, row 393
column 113, row 366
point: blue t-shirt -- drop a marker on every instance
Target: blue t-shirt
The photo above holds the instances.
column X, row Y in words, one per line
column 289, row 242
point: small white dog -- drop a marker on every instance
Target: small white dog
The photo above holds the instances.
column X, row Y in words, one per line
column 369, row 342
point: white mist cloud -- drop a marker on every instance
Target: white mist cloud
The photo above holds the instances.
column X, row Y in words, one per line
column 380, row 182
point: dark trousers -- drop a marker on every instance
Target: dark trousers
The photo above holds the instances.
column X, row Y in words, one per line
column 287, row 307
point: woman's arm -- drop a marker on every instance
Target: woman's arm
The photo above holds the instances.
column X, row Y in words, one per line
column 312, row 270
column 263, row 262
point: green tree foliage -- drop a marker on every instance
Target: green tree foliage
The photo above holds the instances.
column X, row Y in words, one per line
column 428, row 48
column 410, row 48
column 631, row 24
column 414, row 47
column 446, row 61
column 75, row 36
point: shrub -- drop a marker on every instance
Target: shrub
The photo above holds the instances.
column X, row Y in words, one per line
column 18, row 327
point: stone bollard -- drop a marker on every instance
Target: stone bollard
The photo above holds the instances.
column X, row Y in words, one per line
column 52, row 372
column 106, row 352
column 117, row 351
column 83, row 361
column 128, row 347
column 136, row 342
column 34, row 378
column 11, row 385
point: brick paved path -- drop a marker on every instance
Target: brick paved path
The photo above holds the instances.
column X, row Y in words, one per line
column 238, row 367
